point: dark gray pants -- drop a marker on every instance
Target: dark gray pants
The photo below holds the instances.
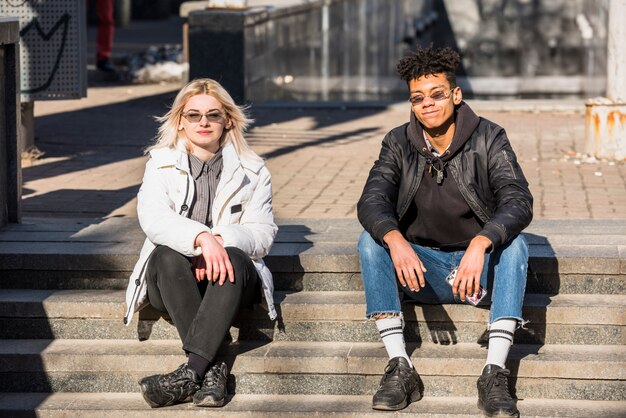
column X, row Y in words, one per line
column 201, row 311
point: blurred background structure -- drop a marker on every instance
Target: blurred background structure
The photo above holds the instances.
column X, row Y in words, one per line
column 334, row 49
column 527, row 49
column 347, row 50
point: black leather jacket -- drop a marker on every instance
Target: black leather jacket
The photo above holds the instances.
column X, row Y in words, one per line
column 485, row 170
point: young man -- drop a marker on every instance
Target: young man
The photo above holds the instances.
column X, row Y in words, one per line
column 445, row 194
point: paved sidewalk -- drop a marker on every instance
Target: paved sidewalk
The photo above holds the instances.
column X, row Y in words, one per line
column 319, row 157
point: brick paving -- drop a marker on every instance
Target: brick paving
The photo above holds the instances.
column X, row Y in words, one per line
column 319, row 157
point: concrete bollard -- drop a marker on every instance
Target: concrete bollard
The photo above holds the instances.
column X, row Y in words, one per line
column 606, row 129
column 606, row 117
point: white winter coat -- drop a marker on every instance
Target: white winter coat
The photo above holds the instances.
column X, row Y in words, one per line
column 241, row 212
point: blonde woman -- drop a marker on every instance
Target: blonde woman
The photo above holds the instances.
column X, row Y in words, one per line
column 205, row 205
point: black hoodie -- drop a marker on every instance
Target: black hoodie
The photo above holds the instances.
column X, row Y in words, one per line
column 442, row 217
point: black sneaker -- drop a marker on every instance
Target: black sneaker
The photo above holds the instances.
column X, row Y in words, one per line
column 494, row 398
column 400, row 385
column 167, row 389
column 213, row 391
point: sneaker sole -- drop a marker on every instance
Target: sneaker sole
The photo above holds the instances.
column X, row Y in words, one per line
column 415, row 396
column 497, row 414
column 397, row 407
column 209, row 403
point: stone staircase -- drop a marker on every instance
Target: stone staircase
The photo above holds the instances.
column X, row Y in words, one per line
column 65, row 352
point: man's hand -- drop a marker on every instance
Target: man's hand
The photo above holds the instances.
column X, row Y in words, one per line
column 216, row 261
column 467, row 281
column 409, row 267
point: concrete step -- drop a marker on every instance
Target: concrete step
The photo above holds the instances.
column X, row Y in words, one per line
column 131, row 405
column 552, row 371
column 547, row 283
column 561, row 319
column 551, row 284
column 578, row 257
column 323, row 316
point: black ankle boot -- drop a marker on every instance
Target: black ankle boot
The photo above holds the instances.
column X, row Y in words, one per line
column 494, row 398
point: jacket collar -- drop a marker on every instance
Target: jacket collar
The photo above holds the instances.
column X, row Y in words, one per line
column 171, row 157
column 168, row 157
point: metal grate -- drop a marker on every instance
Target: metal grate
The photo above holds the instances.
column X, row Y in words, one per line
column 53, row 47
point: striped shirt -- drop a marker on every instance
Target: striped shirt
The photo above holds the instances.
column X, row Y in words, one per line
column 206, row 175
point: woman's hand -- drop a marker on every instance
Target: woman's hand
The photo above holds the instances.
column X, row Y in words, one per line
column 215, row 258
column 199, row 267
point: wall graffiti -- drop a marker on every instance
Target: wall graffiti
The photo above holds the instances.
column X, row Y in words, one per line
column 34, row 24
column 52, row 47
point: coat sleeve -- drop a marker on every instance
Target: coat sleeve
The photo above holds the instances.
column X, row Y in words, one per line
column 514, row 202
column 376, row 208
column 255, row 232
column 158, row 216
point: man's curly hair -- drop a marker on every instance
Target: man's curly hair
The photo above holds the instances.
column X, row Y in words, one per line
column 429, row 61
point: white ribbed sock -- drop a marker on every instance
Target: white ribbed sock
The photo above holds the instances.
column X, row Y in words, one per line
column 500, row 341
column 391, row 333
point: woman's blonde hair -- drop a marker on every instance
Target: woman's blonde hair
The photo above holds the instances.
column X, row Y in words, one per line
column 168, row 134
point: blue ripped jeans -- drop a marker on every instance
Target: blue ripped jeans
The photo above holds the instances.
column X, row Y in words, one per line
column 504, row 276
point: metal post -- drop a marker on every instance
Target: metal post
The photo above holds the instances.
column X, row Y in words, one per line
column 325, row 71
column 362, row 43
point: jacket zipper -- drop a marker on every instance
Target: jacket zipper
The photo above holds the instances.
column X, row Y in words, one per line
column 416, row 182
column 184, row 207
column 466, row 193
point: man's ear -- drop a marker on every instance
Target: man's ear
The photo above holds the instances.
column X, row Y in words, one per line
column 457, row 95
